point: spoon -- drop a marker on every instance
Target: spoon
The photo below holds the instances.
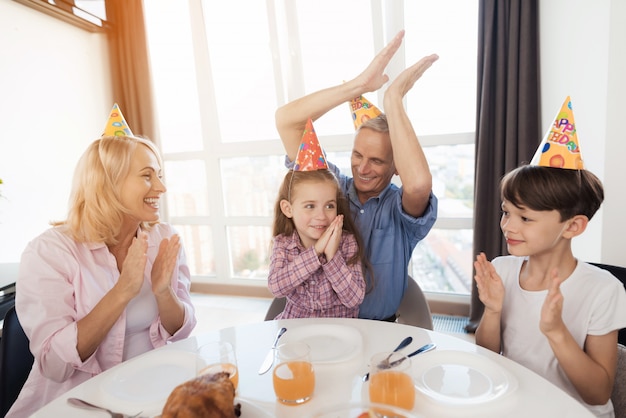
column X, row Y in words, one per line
column 408, row 340
column 86, row 405
column 422, row 349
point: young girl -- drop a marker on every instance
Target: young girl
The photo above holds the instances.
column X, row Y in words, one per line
column 544, row 308
column 316, row 260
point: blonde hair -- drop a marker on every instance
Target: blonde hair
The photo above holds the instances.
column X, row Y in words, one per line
column 95, row 211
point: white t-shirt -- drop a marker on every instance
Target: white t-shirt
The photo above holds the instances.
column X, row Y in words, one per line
column 594, row 303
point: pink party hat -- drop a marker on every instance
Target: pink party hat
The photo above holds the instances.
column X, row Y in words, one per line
column 362, row 110
column 310, row 155
column 559, row 147
column 116, row 125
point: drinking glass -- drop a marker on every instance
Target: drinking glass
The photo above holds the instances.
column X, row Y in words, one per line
column 390, row 382
column 215, row 357
column 293, row 376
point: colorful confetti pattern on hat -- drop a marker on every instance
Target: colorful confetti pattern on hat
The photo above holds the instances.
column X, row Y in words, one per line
column 560, row 147
column 362, row 110
column 310, row 155
column 116, row 125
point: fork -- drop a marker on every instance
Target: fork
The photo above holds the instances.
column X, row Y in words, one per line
column 86, row 405
column 408, row 340
column 422, row 349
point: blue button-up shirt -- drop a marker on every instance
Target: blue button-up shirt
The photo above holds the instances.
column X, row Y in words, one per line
column 389, row 235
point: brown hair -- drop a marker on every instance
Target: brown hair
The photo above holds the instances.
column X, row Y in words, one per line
column 285, row 226
column 570, row 192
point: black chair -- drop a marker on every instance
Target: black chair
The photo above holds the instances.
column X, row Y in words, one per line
column 620, row 273
column 16, row 360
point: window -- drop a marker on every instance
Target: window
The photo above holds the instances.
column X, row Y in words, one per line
column 223, row 68
column 86, row 14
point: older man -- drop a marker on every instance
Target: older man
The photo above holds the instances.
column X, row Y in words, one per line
column 391, row 219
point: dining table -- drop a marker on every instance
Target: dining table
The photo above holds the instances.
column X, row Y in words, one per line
column 456, row 379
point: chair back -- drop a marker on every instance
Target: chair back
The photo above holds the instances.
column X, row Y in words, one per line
column 16, row 360
column 414, row 309
column 276, row 307
column 620, row 273
column 618, row 397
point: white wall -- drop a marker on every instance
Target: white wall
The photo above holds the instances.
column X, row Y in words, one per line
column 55, row 97
column 582, row 56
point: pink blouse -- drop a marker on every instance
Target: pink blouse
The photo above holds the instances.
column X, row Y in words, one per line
column 59, row 282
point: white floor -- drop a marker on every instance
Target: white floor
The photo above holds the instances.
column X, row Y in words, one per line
column 219, row 311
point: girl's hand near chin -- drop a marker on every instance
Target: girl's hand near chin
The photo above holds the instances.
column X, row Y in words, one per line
column 336, row 229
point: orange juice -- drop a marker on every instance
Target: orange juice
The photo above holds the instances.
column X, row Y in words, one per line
column 294, row 382
column 229, row 368
column 392, row 388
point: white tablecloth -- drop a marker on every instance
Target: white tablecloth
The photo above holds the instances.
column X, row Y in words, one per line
column 338, row 373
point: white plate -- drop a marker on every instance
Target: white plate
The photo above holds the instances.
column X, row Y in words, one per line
column 330, row 343
column 459, row 377
column 145, row 382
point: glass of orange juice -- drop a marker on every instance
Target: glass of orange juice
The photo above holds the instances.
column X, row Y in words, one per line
column 293, row 376
column 390, row 380
column 217, row 356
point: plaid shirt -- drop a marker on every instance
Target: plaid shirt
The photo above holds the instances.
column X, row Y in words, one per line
column 313, row 286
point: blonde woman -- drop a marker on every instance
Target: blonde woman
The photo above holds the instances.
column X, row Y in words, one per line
column 108, row 283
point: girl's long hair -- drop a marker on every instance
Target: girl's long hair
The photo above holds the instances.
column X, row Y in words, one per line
column 95, row 211
column 285, row 226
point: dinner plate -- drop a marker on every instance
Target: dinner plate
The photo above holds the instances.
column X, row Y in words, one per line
column 460, row 377
column 145, row 382
column 330, row 343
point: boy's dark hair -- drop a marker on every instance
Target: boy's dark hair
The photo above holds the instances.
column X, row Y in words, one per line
column 570, row 192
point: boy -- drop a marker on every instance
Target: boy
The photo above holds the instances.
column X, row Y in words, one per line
column 544, row 308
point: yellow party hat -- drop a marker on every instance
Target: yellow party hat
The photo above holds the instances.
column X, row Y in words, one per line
column 310, row 155
column 116, row 125
column 559, row 147
column 362, row 110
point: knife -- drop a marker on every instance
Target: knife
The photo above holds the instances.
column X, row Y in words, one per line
column 269, row 358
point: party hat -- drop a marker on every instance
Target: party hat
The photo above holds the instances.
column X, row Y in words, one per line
column 559, row 147
column 362, row 110
column 116, row 125
column 310, row 155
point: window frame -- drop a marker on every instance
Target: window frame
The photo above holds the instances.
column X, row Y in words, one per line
column 214, row 150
